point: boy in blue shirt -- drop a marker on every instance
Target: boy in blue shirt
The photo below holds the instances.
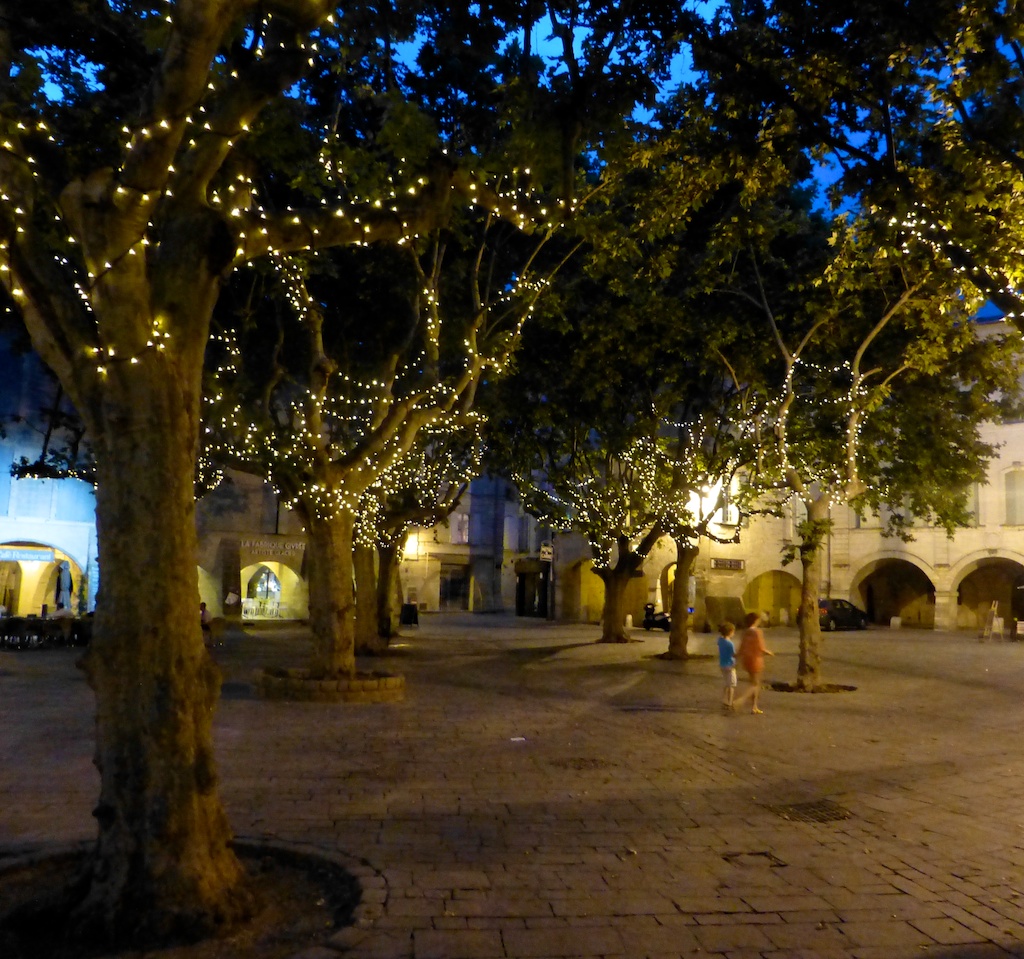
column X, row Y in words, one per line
column 727, row 662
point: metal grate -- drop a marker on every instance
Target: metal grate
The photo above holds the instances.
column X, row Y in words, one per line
column 823, row 810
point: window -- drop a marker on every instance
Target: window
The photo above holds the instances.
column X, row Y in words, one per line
column 1015, row 497
column 974, row 504
column 264, row 585
column 459, row 525
column 728, row 514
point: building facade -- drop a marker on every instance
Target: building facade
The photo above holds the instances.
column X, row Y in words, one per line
column 489, row 556
column 933, row 581
column 46, row 525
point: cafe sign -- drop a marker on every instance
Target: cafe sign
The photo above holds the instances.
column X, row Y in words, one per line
column 268, row 548
column 25, row 554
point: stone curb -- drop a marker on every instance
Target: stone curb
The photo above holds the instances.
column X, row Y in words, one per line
column 296, row 685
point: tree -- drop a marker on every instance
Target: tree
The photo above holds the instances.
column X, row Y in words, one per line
column 604, row 436
column 420, row 491
column 911, row 112
column 354, row 376
column 143, row 160
column 876, row 392
column 706, row 450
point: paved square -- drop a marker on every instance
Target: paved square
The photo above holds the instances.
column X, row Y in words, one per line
column 539, row 796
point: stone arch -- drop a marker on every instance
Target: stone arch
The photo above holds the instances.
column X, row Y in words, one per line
column 28, row 577
column 983, row 580
column 290, row 599
column 209, row 591
column 895, row 587
column 775, row 592
column 582, row 593
column 10, row 585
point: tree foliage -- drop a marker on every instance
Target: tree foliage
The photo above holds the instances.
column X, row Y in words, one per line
column 911, row 111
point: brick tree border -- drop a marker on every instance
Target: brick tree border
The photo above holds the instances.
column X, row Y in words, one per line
column 297, row 685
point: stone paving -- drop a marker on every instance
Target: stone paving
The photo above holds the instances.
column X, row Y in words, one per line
column 540, row 796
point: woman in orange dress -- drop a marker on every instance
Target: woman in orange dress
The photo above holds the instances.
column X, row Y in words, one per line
column 751, row 654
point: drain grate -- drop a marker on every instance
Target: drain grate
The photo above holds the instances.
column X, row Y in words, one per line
column 823, row 810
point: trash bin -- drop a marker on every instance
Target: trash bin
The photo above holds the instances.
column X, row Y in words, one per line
column 410, row 615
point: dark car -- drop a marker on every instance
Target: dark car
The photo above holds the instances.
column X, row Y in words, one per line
column 839, row 614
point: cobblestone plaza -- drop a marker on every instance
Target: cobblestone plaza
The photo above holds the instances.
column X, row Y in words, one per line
column 537, row 795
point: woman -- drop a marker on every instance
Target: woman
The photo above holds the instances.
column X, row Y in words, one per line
column 751, row 654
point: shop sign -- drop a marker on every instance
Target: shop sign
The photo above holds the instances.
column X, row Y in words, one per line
column 25, row 554
column 270, row 548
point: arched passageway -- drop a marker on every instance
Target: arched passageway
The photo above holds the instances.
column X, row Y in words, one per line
column 994, row 580
column 582, row 593
column 894, row 588
column 36, row 578
column 776, row 593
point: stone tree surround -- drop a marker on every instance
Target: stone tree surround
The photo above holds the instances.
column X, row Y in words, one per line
column 297, row 685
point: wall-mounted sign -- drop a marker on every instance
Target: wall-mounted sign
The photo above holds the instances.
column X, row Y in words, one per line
column 271, row 547
column 547, row 552
column 727, row 563
column 25, row 554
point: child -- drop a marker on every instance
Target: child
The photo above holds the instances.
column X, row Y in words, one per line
column 752, row 653
column 727, row 662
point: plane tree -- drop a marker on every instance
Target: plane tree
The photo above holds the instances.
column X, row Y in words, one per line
column 343, row 369
column 705, row 449
column 612, row 426
column 911, row 112
column 622, row 418
column 420, row 491
column 873, row 385
column 149, row 150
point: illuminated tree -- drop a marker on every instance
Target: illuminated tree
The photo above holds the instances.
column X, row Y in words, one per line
column 420, row 491
column 621, row 421
column 875, row 393
column 705, row 448
column 150, row 149
column 912, row 113
column 350, row 388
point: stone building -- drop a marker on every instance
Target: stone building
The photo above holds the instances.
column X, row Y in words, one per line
column 45, row 524
column 483, row 558
column 933, row 581
column 489, row 556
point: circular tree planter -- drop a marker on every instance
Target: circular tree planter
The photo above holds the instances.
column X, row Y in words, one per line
column 299, row 686
column 311, row 899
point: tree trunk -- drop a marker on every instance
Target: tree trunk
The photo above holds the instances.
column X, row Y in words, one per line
column 162, row 868
column 331, row 594
column 368, row 636
column 813, row 533
column 371, row 634
column 389, row 590
column 679, row 633
column 613, row 616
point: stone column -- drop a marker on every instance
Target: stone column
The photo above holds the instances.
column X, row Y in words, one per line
column 945, row 609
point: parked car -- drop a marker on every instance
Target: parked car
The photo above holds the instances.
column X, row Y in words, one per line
column 839, row 614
